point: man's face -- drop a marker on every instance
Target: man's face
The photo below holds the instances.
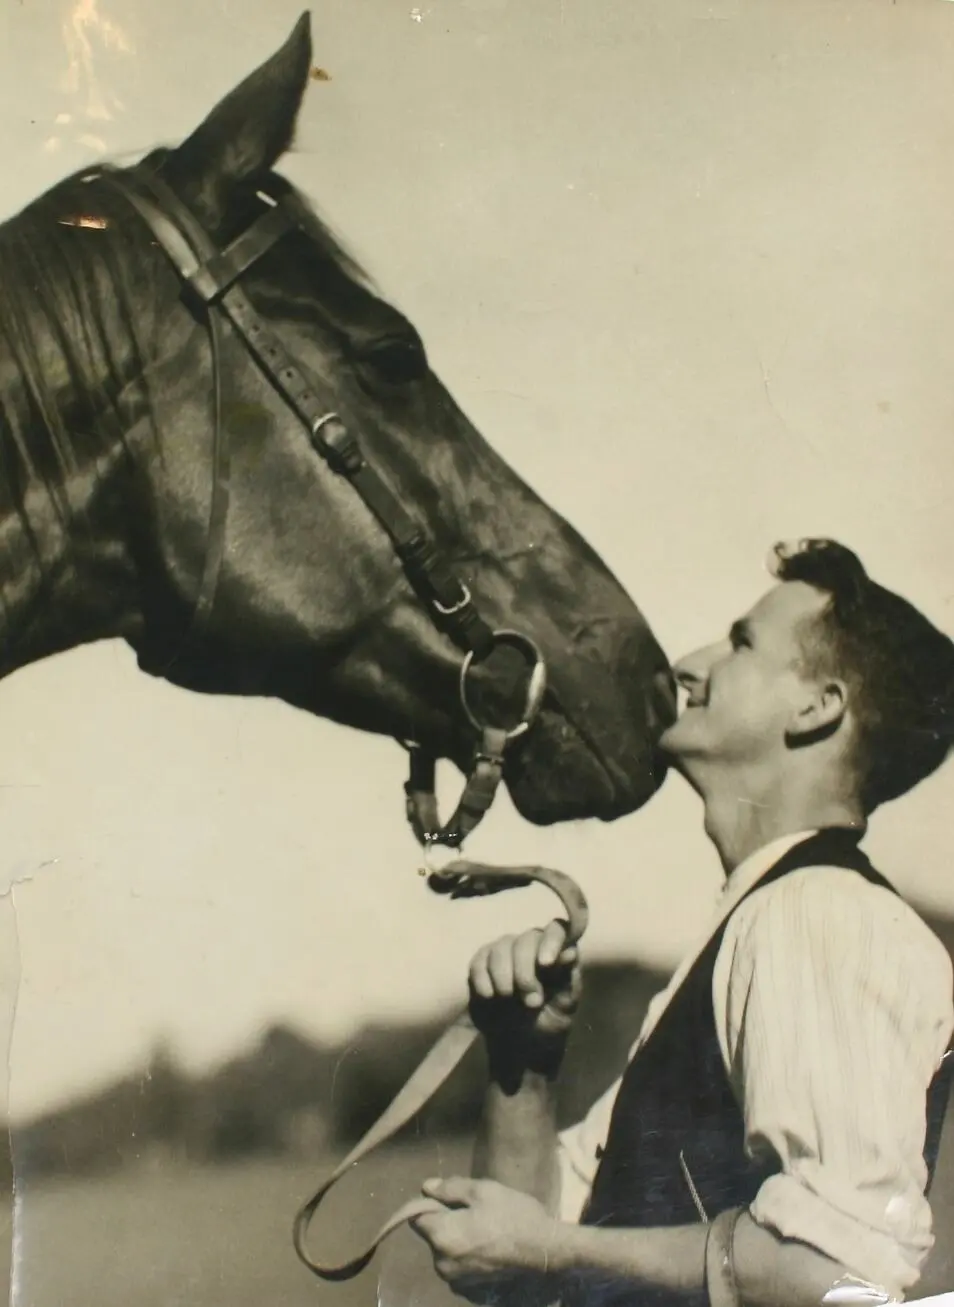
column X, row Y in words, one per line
column 745, row 691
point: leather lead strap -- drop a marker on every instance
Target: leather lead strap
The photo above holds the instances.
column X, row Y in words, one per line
column 444, row 1056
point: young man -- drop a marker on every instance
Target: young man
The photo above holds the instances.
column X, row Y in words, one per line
column 772, row 1138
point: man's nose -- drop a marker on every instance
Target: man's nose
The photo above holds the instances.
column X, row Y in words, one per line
column 689, row 672
column 692, row 671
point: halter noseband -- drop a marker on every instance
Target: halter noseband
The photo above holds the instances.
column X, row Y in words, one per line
column 213, row 276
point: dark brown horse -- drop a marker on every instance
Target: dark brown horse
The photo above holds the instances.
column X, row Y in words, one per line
column 115, row 396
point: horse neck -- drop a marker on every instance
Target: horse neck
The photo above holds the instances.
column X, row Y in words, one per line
column 66, row 577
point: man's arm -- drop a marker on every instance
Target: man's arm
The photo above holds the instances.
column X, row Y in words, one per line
column 491, row 1233
column 837, row 1008
column 501, row 1226
column 524, row 993
column 767, row 1272
column 517, row 1140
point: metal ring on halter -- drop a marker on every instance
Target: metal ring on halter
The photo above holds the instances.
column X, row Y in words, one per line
column 536, row 686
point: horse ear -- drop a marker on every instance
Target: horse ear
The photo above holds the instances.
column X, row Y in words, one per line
column 248, row 131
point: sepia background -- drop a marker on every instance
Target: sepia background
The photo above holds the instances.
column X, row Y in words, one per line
column 689, row 267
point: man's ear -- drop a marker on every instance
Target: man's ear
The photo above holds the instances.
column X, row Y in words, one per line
column 820, row 715
column 247, row 132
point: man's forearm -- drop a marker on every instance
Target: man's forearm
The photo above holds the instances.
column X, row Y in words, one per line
column 769, row 1272
column 517, row 1139
column 666, row 1258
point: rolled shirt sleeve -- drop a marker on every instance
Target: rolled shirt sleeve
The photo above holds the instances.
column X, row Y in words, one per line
column 836, row 1008
column 579, row 1149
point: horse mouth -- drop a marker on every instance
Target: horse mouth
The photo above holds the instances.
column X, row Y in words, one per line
column 557, row 774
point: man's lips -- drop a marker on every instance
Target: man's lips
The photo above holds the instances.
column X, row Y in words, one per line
column 687, row 700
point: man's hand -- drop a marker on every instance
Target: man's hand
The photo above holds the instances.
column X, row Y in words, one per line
column 525, row 990
column 489, row 1236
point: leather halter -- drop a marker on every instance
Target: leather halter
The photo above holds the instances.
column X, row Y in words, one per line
column 212, row 277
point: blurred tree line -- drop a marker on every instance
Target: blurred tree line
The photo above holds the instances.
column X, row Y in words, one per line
column 289, row 1095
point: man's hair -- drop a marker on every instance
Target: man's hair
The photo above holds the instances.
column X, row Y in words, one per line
column 898, row 667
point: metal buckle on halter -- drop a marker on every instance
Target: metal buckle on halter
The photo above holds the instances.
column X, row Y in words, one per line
column 333, row 439
column 536, row 685
column 462, row 603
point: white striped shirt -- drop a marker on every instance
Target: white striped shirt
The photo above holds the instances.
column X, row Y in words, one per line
column 834, row 1005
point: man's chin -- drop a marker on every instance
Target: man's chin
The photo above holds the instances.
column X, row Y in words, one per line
column 675, row 747
column 669, row 742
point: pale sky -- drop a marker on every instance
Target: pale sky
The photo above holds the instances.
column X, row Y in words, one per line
column 689, row 267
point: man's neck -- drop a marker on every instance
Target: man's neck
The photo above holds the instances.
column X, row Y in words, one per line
column 740, row 819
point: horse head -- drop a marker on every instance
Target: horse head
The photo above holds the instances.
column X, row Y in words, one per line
column 114, row 395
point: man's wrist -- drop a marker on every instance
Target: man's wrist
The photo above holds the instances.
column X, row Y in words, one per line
column 670, row 1258
column 570, row 1255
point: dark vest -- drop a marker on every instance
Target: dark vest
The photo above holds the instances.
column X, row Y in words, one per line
column 675, row 1105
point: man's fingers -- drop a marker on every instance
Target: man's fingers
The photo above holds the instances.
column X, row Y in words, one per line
column 500, row 967
column 480, row 981
column 551, row 945
column 525, row 968
column 426, row 1226
column 455, row 1191
column 512, row 966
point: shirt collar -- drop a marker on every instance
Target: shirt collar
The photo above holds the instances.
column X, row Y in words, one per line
column 750, row 869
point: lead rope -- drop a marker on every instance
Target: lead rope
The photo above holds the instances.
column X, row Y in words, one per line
column 468, row 879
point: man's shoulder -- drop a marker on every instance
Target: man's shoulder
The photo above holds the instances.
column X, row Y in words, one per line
column 836, row 903
column 822, row 885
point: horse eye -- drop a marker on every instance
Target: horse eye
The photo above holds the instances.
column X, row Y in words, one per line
column 396, row 362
